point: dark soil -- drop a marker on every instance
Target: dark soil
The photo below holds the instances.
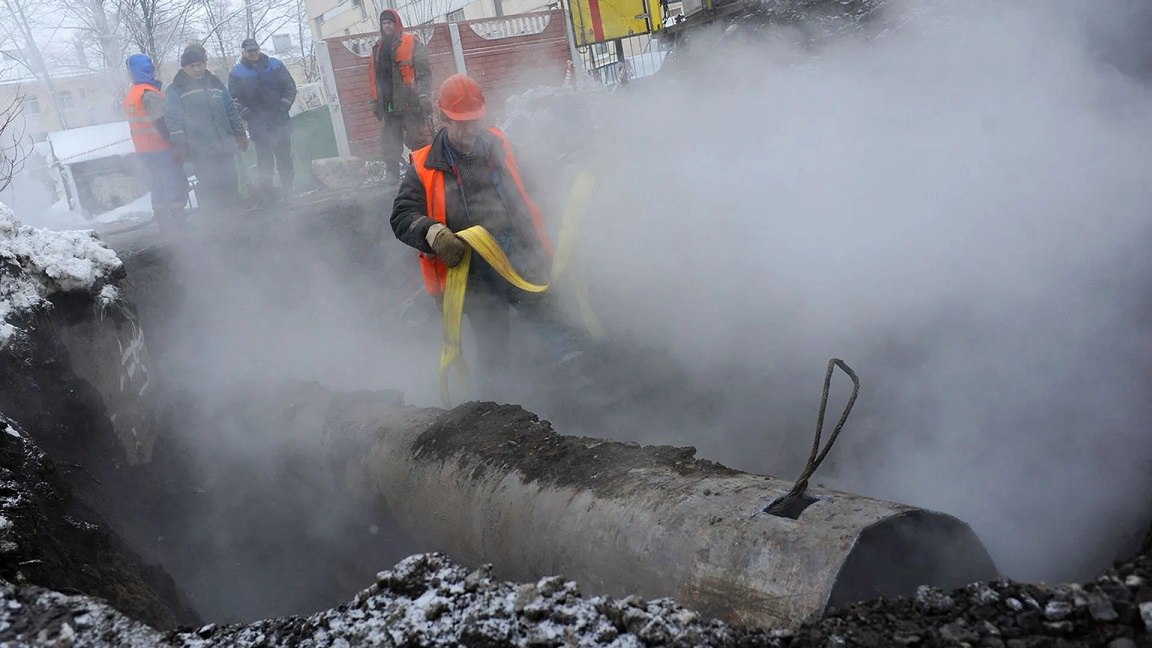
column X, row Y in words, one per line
column 507, row 435
column 49, row 538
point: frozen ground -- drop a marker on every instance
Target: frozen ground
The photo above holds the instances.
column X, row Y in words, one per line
column 36, row 263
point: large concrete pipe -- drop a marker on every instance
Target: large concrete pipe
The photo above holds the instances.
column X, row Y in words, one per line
column 490, row 483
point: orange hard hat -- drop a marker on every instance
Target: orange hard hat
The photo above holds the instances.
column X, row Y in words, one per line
column 461, row 98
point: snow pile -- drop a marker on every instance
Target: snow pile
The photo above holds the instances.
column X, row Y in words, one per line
column 427, row 600
column 35, row 616
column 36, row 263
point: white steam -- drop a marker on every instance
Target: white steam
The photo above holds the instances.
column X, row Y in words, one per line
column 955, row 201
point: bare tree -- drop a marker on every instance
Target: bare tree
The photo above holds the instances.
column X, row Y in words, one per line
column 22, row 20
column 157, row 27
column 12, row 151
column 99, row 23
column 307, row 47
column 228, row 22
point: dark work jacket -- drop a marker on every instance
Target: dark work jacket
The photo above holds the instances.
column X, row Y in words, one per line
column 265, row 91
column 390, row 83
column 201, row 116
column 508, row 219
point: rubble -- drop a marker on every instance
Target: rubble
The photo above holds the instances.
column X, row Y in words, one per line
column 1104, row 612
column 424, row 600
column 428, row 600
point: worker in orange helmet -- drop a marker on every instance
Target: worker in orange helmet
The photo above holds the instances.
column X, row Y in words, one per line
column 469, row 176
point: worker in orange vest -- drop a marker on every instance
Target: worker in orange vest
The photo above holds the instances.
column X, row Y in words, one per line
column 144, row 107
column 469, row 176
column 400, row 86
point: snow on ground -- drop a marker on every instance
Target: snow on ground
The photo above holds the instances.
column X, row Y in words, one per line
column 36, row 263
column 425, row 600
column 60, row 217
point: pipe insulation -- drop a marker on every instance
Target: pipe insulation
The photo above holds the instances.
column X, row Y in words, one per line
column 488, row 483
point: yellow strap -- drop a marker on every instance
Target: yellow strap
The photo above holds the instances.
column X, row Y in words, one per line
column 481, row 241
column 578, row 198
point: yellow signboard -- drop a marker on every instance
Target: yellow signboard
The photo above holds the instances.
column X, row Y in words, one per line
column 596, row 21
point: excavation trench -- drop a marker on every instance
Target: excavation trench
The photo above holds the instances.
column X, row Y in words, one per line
column 263, row 496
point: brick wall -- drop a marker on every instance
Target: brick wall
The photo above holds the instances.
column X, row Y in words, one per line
column 506, row 55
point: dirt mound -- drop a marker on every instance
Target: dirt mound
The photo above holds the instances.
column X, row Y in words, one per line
column 1114, row 610
column 428, row 600
column 425, row 600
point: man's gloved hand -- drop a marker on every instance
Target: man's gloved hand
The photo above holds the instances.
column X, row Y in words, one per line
column 449, row 247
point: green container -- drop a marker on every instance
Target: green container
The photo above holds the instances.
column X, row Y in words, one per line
column 312, row 139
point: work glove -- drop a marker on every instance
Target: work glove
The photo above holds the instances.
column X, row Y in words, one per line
column 242, row 142
column 449, row 247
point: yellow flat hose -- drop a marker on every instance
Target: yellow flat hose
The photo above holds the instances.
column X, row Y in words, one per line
column 481, row 241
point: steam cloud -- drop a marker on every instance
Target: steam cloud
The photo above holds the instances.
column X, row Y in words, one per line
column 954, row 199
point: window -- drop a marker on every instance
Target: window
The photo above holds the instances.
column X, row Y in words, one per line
column 64, row 98
column 282, row 43
column 455, row 16
column 30, row 105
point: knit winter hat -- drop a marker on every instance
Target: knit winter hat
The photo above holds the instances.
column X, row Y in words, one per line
column 193, row 54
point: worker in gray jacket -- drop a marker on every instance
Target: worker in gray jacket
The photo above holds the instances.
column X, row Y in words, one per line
column 205, row 128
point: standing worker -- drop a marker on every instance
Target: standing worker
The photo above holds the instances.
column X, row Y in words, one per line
column 469, row 176
column 264, row 90
column 144, row 106
column 399, row 84
column 206, row 129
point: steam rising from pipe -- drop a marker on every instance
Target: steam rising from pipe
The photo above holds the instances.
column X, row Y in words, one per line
column 954, row 199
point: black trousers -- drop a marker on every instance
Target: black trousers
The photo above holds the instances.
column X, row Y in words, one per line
column 217, row 185
column 274, row 152
column 488, row 304
column 397, row 130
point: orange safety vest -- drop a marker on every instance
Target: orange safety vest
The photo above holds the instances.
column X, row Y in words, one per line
column 434, row 270
column 145, row 137
column 403, row 60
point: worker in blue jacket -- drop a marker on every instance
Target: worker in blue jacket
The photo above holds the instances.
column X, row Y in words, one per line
column 264, row 91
